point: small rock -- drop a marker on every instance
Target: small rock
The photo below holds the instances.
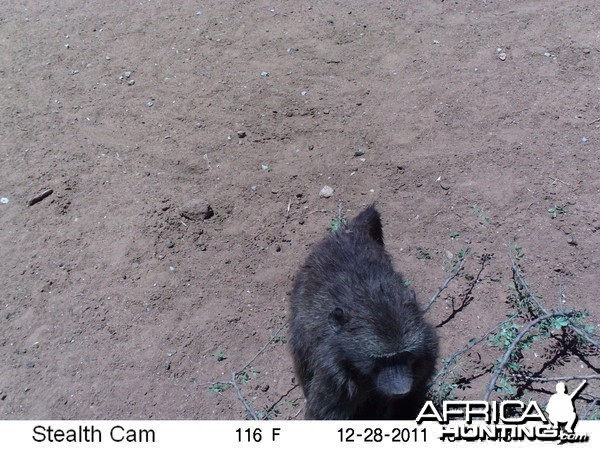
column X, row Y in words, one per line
column 449, row 254
column 326, row 192
column 30, row 365
column 359, row 152
column 107, row 58
column 502, row 56
column 584, row 139
column 170, row 244
column 311, row 147
column 572, row 241
column 127, row 74
column 131, row 82
column 4, row 200
column 167, row 365
column 150, row 104
column 197, row 209
column 264, row 74
column 445, row 186
column 241, row 134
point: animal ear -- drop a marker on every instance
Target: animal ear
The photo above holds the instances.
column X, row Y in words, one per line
column 369, row 221
column 338, row 318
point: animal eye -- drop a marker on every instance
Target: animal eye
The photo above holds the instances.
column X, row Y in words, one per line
column 338, row 315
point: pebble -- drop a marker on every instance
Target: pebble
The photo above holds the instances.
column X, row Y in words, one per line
column 502, row 56
column 131, row 82
column 359, row 152
column 445, row 186
column 572, row 241
column 150, row 104
column 584, row 139
column 4, row 200
column 170, row 244
column 241, row 134
column 73, row 71
column 326, row 192
column 197, row 209
column 264, row 74
column 449, row 254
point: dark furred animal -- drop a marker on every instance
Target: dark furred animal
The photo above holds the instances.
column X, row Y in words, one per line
column 361, row 348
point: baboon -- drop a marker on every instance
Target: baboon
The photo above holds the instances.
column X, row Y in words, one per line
column 360, row 345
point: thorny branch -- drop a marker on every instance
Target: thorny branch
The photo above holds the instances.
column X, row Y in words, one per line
column 522, row 284
column 451, row 359
column 548, row 379
column 515, row 342
column 234, row 375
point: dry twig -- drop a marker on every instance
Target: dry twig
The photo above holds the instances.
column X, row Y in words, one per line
column 38, row 198
column 446, row 283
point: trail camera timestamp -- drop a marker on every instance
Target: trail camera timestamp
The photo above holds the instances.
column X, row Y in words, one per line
column 412, row 435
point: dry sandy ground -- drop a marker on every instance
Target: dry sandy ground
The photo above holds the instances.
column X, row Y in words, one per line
column 475, row 117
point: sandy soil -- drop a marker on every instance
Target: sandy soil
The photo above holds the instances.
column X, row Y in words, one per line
column 475, row 117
